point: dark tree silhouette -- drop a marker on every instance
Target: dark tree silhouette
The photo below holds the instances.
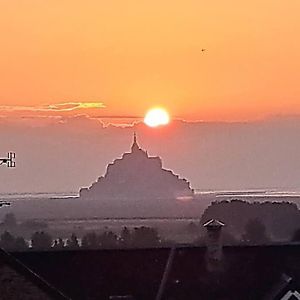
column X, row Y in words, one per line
column 126, row 237
column 108, row 239
column 41, row 241
column 139, row 237
column 72, row 242
column 7, row 241
column 255, row 232
column 145, row 237
column 58, row 244
column 20, row 244
column 10, row 243
column 280, row 218
column 90, row 241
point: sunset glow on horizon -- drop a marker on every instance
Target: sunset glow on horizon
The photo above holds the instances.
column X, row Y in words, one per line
column 111, row 57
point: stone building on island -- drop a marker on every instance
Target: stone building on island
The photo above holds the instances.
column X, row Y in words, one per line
column 137, row 176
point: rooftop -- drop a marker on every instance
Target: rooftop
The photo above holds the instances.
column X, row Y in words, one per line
column 249, row 272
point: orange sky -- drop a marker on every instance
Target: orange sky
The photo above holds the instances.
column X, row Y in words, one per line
column 131, row 55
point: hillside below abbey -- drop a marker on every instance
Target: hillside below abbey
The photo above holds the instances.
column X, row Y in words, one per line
column 138, row 176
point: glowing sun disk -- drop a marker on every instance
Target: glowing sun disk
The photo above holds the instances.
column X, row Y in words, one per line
column 156, row 117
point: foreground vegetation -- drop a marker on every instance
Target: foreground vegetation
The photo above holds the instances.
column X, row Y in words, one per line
column 246, row 223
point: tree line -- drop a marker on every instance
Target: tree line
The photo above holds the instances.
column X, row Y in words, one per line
column 138, row 237
column 278, row 220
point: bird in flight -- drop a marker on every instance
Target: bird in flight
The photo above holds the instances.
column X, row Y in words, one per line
column 203, row 49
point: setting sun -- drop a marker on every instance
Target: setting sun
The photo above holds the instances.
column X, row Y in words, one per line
column 156, row 117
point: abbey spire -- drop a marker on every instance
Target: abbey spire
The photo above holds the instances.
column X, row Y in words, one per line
column 135, row 145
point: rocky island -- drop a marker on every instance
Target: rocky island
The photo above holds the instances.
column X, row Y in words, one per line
column 137, row 176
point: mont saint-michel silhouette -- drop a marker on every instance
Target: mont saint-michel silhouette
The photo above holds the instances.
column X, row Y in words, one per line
column 137, row 176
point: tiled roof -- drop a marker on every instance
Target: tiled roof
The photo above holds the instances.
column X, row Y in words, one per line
column 248, row 272
column 18, row 282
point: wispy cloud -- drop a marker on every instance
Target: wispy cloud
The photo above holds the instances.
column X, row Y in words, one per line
column 61, row 112
column 118, row 117
column 58, row 107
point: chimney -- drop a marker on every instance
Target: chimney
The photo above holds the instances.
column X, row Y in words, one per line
column 214, row 245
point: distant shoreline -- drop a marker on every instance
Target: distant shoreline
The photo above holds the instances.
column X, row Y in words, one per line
column 66, row 206
column 260, row 193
